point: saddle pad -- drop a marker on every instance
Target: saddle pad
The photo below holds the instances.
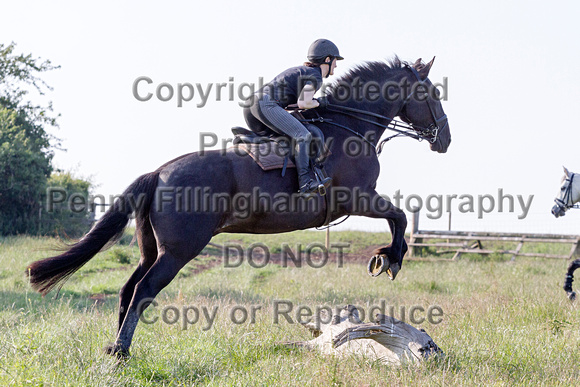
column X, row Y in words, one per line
column 269, row 155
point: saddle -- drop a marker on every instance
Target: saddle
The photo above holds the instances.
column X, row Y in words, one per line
column 275, row 151
column 268, row 152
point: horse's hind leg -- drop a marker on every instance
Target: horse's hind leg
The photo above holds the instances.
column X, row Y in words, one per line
column 148, row 248
column 161, row 273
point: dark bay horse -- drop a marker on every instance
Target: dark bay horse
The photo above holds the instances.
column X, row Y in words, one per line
column 176, row 214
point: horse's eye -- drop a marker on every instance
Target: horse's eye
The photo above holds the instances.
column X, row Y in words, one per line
column 563, row 189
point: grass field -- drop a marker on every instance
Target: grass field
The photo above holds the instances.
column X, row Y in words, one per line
column 504, row 323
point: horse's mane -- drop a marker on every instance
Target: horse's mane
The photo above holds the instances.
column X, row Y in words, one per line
column 378, row 71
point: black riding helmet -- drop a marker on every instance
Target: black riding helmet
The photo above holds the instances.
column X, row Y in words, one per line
column 322, row 49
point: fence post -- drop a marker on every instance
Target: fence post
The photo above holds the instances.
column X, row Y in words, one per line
column 414, row 230
column 415, row 223
column 575, row 250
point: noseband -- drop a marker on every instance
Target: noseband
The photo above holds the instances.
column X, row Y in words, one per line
column 563, row 203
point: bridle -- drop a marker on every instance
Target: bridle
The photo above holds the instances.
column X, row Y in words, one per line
column 436, row 121
column 564, row 203
column 400, row 128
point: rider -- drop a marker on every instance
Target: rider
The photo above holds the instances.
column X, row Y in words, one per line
column 296, row 85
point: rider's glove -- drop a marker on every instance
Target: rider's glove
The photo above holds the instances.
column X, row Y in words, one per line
column 322, row 101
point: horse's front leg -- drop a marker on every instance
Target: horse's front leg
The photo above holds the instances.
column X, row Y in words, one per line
column 570, row 278
column 394, row 253
column 387, row 259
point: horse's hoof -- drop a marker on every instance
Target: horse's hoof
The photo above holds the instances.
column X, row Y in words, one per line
column 572, row 296
column 118, row 351
column 380, row 263
column 376, row 265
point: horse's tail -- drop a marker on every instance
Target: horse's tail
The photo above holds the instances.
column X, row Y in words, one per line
column 49, row 273
column 570, row 278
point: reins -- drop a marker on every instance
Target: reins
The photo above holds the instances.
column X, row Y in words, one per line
column 408, row 130
column 330, row 122
column 429, row 134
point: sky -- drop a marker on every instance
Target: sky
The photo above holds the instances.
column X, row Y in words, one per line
column 511, row 69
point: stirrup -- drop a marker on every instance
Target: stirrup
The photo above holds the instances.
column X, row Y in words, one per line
column 323, row 185
column 310, row 188
column 323, row 179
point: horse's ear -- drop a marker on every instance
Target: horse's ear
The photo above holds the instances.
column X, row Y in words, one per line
column 566, row 172
column 418, row 64
column 423, row 70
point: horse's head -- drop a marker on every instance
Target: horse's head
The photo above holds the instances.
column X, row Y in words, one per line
column 569, row 194
column 422, row 108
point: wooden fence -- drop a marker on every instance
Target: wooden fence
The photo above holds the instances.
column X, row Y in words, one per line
column 465, row 242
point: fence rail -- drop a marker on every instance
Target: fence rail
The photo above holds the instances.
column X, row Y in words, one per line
column 466, row 242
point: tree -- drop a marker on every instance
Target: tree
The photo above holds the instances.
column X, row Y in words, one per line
column 66, row 209
column 26, row 148
column 24, row 168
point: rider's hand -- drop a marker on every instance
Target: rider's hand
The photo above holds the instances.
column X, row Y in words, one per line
column 306, row 99
column 308, row 105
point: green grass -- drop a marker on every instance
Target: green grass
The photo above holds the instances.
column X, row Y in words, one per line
column 504, row 323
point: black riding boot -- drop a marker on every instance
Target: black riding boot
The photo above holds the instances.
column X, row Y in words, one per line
column 302, row 160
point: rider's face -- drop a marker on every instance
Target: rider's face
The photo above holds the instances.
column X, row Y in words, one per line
column 331, row 66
